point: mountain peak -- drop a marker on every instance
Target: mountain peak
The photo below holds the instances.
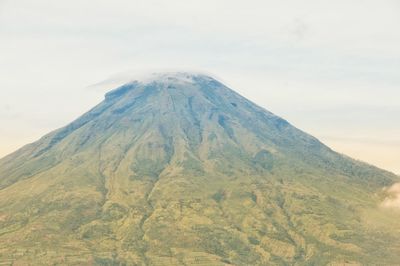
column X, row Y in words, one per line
column 192, row 83
column 175, row 168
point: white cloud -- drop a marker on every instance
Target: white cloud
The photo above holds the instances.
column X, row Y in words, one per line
column 393, row 200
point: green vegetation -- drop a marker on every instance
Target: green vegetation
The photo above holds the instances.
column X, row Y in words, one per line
column 190, row 173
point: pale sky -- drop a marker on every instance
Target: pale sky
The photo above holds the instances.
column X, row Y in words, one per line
column 331, row 68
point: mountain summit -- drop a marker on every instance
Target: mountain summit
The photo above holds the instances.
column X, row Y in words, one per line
column 178, row 169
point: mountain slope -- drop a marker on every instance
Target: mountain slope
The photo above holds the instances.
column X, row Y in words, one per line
column 181, row 170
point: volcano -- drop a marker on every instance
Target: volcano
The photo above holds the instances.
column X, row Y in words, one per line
column 178, row 169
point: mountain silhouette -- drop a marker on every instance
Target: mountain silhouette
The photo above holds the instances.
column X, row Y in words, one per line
column 178, row 169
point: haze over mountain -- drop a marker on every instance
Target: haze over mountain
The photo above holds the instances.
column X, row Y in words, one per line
column 178, row 169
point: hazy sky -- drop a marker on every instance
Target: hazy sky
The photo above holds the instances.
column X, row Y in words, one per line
column 332, row 68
